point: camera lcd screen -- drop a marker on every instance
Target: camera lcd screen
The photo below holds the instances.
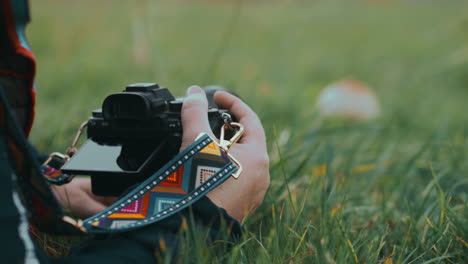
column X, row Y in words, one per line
column 94, row 158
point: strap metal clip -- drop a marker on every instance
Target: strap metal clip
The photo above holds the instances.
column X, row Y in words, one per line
column 225, row 144
column 70, row 150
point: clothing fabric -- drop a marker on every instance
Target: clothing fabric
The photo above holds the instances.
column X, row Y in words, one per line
column 26, row 199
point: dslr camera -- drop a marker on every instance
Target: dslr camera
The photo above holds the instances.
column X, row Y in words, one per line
column 135, row 133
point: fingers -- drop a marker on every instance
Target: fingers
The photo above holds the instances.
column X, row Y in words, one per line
column 253, row 127
column 194, row 116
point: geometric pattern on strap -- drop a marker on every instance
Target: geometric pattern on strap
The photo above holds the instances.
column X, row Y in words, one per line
column 182, row 181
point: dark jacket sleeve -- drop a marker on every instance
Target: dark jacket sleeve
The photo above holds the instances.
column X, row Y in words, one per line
column 160, row 240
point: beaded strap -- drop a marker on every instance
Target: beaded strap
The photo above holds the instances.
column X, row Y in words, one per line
column 185, row 179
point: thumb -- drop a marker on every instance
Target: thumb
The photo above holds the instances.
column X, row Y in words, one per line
column 194, row 116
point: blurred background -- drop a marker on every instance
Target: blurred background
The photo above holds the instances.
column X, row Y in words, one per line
column 389, row 188
column 277, row 55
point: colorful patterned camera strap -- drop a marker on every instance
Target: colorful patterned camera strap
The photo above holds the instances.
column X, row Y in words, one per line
column 185, row 179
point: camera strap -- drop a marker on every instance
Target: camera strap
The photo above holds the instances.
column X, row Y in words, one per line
column 189, row 176
column 205, row 160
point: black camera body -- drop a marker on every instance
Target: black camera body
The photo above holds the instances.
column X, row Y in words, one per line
column 143, row 111
column 136, row 133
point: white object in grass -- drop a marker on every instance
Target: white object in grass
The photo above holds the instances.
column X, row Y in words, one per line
column 348, row 99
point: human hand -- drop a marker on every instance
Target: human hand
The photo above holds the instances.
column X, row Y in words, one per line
column 77, row 197
column 237, row 196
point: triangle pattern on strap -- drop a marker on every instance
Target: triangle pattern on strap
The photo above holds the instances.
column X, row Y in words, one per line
column 185, row 179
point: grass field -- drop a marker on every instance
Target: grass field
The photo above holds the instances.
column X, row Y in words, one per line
column 393, row 190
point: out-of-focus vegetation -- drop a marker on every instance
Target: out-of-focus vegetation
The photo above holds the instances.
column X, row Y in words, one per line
column 393, row 190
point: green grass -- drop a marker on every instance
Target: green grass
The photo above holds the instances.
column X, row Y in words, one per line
column 393, row 190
